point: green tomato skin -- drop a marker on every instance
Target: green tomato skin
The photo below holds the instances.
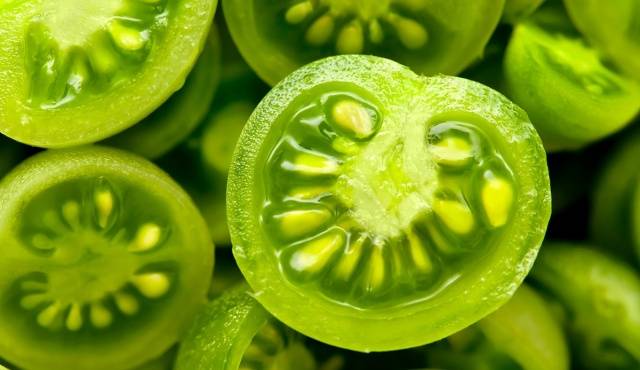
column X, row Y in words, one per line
column 393, row 328
column 223, row 331
column 179, row 116
column 525, row 329
column 613, row 27
column 602, row 297
column 614, row 220
column 552, row 85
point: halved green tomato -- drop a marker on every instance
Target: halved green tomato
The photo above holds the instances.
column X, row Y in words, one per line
column 431, row 36
column 77, row 71
column 611, row 26
column 615, row 220
column 235, row 333
column 571, row 97
column 374, row 209
column 602, row 298
column 170, row 124
column 105, row 261
column 522, row 334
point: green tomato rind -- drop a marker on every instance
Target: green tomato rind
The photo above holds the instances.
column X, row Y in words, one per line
column 222, row 332
column 601, row 294
column 173, row 121
column 106, row 350
column 612, row 27
column 111, row 111
column 615, row 219
column 457, row 32
column 526, row 330
column 410, row 325
column 571, row 97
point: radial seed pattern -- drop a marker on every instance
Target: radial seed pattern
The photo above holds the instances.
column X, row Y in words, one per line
column 315, row 201
column 98, row 267
column 80, row 46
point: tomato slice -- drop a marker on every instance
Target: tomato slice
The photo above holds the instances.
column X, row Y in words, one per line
column 442, row 36
column 77, row 71
column 105, row 261
column 374, row 209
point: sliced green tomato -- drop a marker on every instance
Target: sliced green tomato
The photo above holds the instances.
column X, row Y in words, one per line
column 615, row 222
column 77, row 71
column 602, row 296
column 235, row 333
column 438, row 36
column 11, row 153
column 176, row 119
column 397, row 208
column 571, row 97
column 105, row 261
column 611, row 26
column 523, row 334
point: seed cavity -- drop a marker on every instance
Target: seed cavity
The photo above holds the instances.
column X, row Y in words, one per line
column 347, row 265
column 147, row 238
column 126, row 303
column 352, row 117
column 127, row 38
column 351, row 39
column 321, row 30
column 152, row 285
column 47, row 317
column 411, row 33
column 455, row 215
column 297, row 223
column 376, row 270
column 100, row 316
column 313, row 165
column 299, row 12
column 313, row 256
column 71, row 214
column 452, row 151
column 74, row 318
column 497, row 198
column 104, row 206
column 418, row 252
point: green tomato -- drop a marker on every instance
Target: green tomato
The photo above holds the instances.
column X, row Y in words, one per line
column 105, row 261
column 571, row 97
column 602, row 297
column 611, row 26
column 77, row 71
column 374, row 209
column 521, row 335
column 235, row 333
column 176, row 119
column 437, row 36
column 615, row 219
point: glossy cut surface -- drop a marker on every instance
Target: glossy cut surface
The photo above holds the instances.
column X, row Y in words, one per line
column 440, row 36
column 77, row 71
column 99, row 249
column 370, row 197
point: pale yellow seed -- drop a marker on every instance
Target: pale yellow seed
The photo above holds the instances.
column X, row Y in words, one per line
column 455, row 215
column 152, row 285
column 71, row 213
column 311, row 164
column 345, row 146
column 452, row 151
column 32, row 301
column 497, row 198
column 299, row 12
column 376, row 270
column 74, row 318
column 127, row 38
column 126, row 303
column 350, row 39
column 349, row 261
column 320, row 31
column 308, row 192
column 104, row 204
column 48, row 316
column 297, row 223
column 100, row 316
column 354, row 118
column 376, row 35
column 147, row 237
column 419, row 253
column 315, row 255
column 411, row 33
